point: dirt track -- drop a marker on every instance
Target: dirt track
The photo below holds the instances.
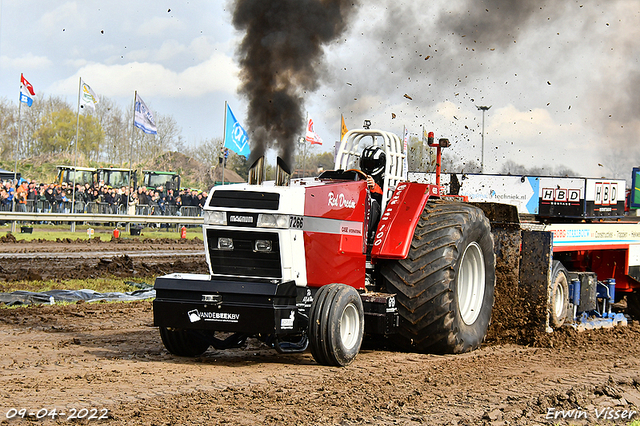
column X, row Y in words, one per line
column 108, row 356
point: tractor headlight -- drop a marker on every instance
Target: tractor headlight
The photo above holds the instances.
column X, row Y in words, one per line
column 273, row 221
column 225, row 243
column 263, row 246
column 215, row 217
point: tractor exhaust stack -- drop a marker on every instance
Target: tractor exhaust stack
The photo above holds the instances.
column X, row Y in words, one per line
column 256, row 172
column 283, row 173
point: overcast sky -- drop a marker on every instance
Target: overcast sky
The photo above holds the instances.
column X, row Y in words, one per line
column 562, row 80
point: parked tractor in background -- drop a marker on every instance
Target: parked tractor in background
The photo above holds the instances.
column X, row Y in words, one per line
column 320, row 262
column 78, row 175
column 117, row 178
column 167, row 180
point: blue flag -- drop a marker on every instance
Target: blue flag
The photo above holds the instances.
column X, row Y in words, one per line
column 235, row 137
column 26, row 99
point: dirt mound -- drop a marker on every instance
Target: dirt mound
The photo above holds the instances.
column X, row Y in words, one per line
column 8, row 238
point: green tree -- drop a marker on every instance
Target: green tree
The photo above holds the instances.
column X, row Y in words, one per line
column 56, row 132
column 90, row 136
column 239, row 164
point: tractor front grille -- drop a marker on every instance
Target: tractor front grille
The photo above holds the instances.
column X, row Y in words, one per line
column 243, row 259
column 245, row 199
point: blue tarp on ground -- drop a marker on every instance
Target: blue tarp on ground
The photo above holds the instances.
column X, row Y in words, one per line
column 21, row 297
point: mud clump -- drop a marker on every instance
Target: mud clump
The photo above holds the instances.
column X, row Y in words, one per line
column 8, row 238
column 121, row 266
column 517, row 315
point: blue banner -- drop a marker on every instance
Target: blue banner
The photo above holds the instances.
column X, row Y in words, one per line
column 235, row 137
column 26, row 99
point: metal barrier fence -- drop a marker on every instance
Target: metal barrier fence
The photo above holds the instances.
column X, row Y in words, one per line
column 72, row 219
column 44, row 206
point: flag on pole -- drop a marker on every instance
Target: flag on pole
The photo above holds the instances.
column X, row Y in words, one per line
column 27, row 85
column 87, row 96
column 235, row 137
column 143, row 117
column 312, row 136
column 343, row 127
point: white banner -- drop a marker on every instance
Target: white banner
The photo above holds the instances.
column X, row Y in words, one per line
column 87, row 96
column 144, row 118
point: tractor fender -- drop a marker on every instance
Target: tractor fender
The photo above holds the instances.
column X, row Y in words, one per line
column 398, row 222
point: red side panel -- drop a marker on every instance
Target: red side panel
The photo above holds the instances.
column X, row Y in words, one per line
column 399, row 220
column 334, row 233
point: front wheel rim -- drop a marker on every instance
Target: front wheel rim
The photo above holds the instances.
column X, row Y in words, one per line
column 471, row 283
column 349, row 326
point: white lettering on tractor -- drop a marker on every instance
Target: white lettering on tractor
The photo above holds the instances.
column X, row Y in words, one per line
column 391, row 206
column 241, row 219
column 195, row 315
column 339, row 200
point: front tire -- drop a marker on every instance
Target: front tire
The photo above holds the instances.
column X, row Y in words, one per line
column 182, row 342
column 445, row 286
column 336, row 325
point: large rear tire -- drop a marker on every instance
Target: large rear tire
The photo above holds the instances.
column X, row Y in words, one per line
column 559, row 302
column 182, row 342
column 336, row 325
column 445, row 286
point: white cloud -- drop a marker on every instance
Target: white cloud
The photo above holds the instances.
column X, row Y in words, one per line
column 62, row 15
column 25, row 62
column 218, row 73
column 169, row 49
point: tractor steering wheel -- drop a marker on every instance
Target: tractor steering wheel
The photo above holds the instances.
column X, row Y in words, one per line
column 362, row 174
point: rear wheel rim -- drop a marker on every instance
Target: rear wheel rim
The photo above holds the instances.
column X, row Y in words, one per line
column 471, row 283
column 349, row 326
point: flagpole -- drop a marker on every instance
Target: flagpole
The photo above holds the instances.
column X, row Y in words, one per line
column 224, row 142
column 133, row 129
column 304, row 147
column 15, row 168
column 75, row 154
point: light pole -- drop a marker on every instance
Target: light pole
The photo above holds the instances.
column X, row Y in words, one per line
column 483, row 109
column 302, row 141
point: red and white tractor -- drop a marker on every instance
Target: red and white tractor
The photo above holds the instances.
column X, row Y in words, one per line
column 310, row 263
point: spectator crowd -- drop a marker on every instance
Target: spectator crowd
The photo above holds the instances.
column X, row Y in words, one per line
column 31, row 196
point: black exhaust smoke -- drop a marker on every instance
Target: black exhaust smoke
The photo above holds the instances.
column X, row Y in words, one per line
column 280, row 60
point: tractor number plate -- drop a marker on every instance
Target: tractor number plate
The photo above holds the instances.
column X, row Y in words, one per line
column 296, row 222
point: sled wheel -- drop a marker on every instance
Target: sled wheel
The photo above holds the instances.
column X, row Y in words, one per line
column 559, row 299
column 182, row 342
column 336, row 325
column 445, row 287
